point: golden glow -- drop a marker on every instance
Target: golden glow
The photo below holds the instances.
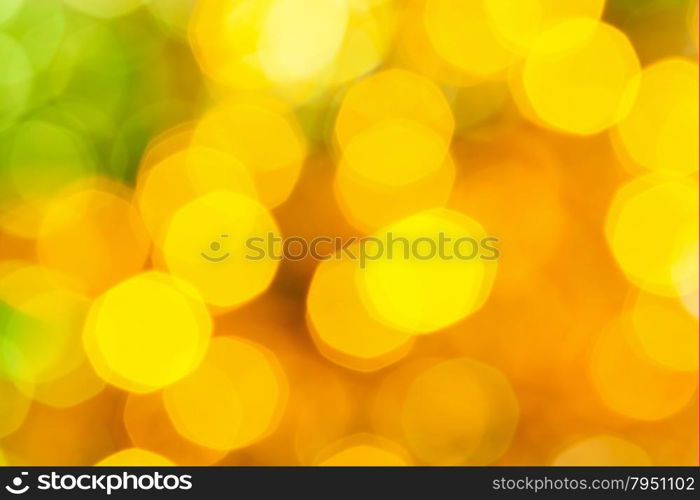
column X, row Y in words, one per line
column 149, row 427
column 300, row 38
column 603, row 451
column 340, row 321
column 393, row 95
column 183, row 177
column 666, row 332
column 417, row 294
column 257, row 44
column 685, row 273
column 364, row 450
column 243, row 386
column 462, row 34
column 94, row 238
column 134, row 457
column 206, row 244
column 224, row 36
column 416, row 51
column 661, row 131
column 645, row 244
column 395, row 152
column 15, row 404
column 368, row 38
column 394, row 130
column 78, row 385
column 147, row 332
column 459, row 412
column 263, row 137
column 631, row 384
column 580, row 76
column 521, row 22
column 370, row 205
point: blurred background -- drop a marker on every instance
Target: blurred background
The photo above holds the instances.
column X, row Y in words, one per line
column 137, row 136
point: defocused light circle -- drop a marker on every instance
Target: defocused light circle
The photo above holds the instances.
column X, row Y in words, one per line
column 263, row 137
column 148, row 426
column 181, row 178
column 93, row 237
column 666, row 332
column 462, row 35
column 631, row 384
column 339, row 319
column 364, row 450
column 147, row 332
column 15, row 405
column 370, row 205
column 363, row 456
column 459, row 412
column 661, row 131
column 243, row 389
column 395, row 152
column 300, row 38
column 393, row 94
column 580, row 76
column 134, row 457
column 411, row 286
column 44, row 157
column 257, row 44
column 221, row 243
column 43, row 336
column 80, row 384
column 650, row 226
column 603, row 451
column 519, row 23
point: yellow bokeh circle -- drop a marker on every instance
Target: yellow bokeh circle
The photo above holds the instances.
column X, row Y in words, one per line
column 297, row 45
column 147, row 332
column 427, row 271
column 661, row 131
column 602, row 451
column 520, row 23
column 363, row 450
column 263, row 136
column 370, row 205
column 631, row 384
column 208, row 243
column 94, row 237
column 394, row 94
column 666, row 332
column 134, row 457
column 184, row 176
column 342, row 326
column 651, row 225
column 243, row 389
column 580, row 76
column 459, row 412
column 463, row 36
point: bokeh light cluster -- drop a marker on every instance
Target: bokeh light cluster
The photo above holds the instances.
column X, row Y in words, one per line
column 144, row 142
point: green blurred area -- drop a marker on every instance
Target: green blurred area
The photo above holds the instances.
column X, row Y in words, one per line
column 81, row 95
